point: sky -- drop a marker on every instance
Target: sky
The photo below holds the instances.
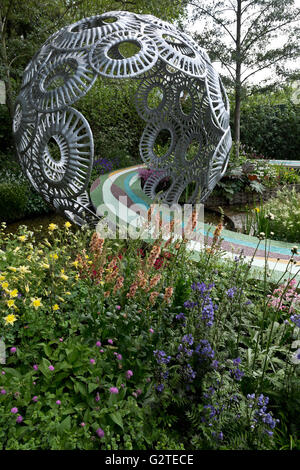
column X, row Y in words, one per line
column 258, row 77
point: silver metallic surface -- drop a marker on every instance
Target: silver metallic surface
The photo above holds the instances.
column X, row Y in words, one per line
column 55, row 143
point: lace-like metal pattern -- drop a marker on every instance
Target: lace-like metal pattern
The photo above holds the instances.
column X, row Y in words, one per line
column 179, row 95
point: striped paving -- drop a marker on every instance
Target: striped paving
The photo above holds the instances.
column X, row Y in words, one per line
column 117, row 194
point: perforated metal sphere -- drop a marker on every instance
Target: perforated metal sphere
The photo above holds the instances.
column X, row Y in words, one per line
column 168, row 63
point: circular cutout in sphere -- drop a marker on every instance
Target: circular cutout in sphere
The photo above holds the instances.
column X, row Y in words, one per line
column 181, row 98
column 103, row 62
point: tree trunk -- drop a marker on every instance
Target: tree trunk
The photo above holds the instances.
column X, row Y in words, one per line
column 6, row 76
column 237, row 108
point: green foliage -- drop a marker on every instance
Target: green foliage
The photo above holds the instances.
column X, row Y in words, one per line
column 280, row 215
column 78, row 312
column 273, row 130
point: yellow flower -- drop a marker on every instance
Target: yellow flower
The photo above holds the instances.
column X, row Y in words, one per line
column 27, row 288
column 75, row 263
column 68, row 225
column 61, row 299
column 11, row 303
column 55, row 307
column 22, row 238
column 45, row 265
column 63, row 275
column 101, row 283
column 12, row 269
column 24, row 269
column 13, row 293
column 17, row 249
column 257, row 209
column 10, row 319
column 5, row 285
column 52, row 227
column 68, row 293
column 36, row 302
column 53, row 256
column 2, row 278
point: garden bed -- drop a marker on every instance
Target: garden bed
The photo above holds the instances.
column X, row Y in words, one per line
column 247, row 198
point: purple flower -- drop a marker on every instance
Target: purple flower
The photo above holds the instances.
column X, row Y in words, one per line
column 35, row 366
column 188, row 339
column 82, row 424
column 58, row 402
column 231, row 292
column 151, row 330
column 3, row 392
column 19, row 419
column 100, row 432
column 14, row 410
column 13, row 350
column 61, row 340
column 102, row 350
column 51, row 368
column 35, row 399
column 110, row 341
column 97, row 397
column 118, row 307
column 114, row 390
column 161, row 357
column 139, row 391
column 119, row 357
column 296, row 319
column 134, row 394
column 160, row 387
column 98, row 344
column 3, row 373
column 129, row 374
column 92, row 361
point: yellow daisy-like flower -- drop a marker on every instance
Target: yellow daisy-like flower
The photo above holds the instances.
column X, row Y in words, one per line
column 11, row 303
column 68, row 225
column 55, row 307
column 22, row 238
column 52, row 227
column 13, row 293
column 75, row 263
column 36, row 302
column 10, row 319
column 4, row 285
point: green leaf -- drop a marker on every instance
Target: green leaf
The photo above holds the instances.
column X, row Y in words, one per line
column 117, row 418
column 92, row 387
column 65, row 425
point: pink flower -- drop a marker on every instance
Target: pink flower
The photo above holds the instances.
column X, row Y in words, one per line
column 151, row 330
column 14, row 410
column 110, row 341
column 134, row 394
column 3, row 392
column 129, row 374
column 82, row 424
column 51, row 368
column 3, row 373
column 98, row 344
column 35, row 399
column 100, row 432
column 101, row 350
column 118, row 307
column 92, row 361
column 13, row 350
column 35, row 366
column 58, row 402
column 119, row 357
column 139, row 391
column 19, row 419
column 61, row 340
column 97, row 397
column 114, row 390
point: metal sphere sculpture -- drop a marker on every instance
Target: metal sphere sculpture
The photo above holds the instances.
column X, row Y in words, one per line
column 167, row 61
